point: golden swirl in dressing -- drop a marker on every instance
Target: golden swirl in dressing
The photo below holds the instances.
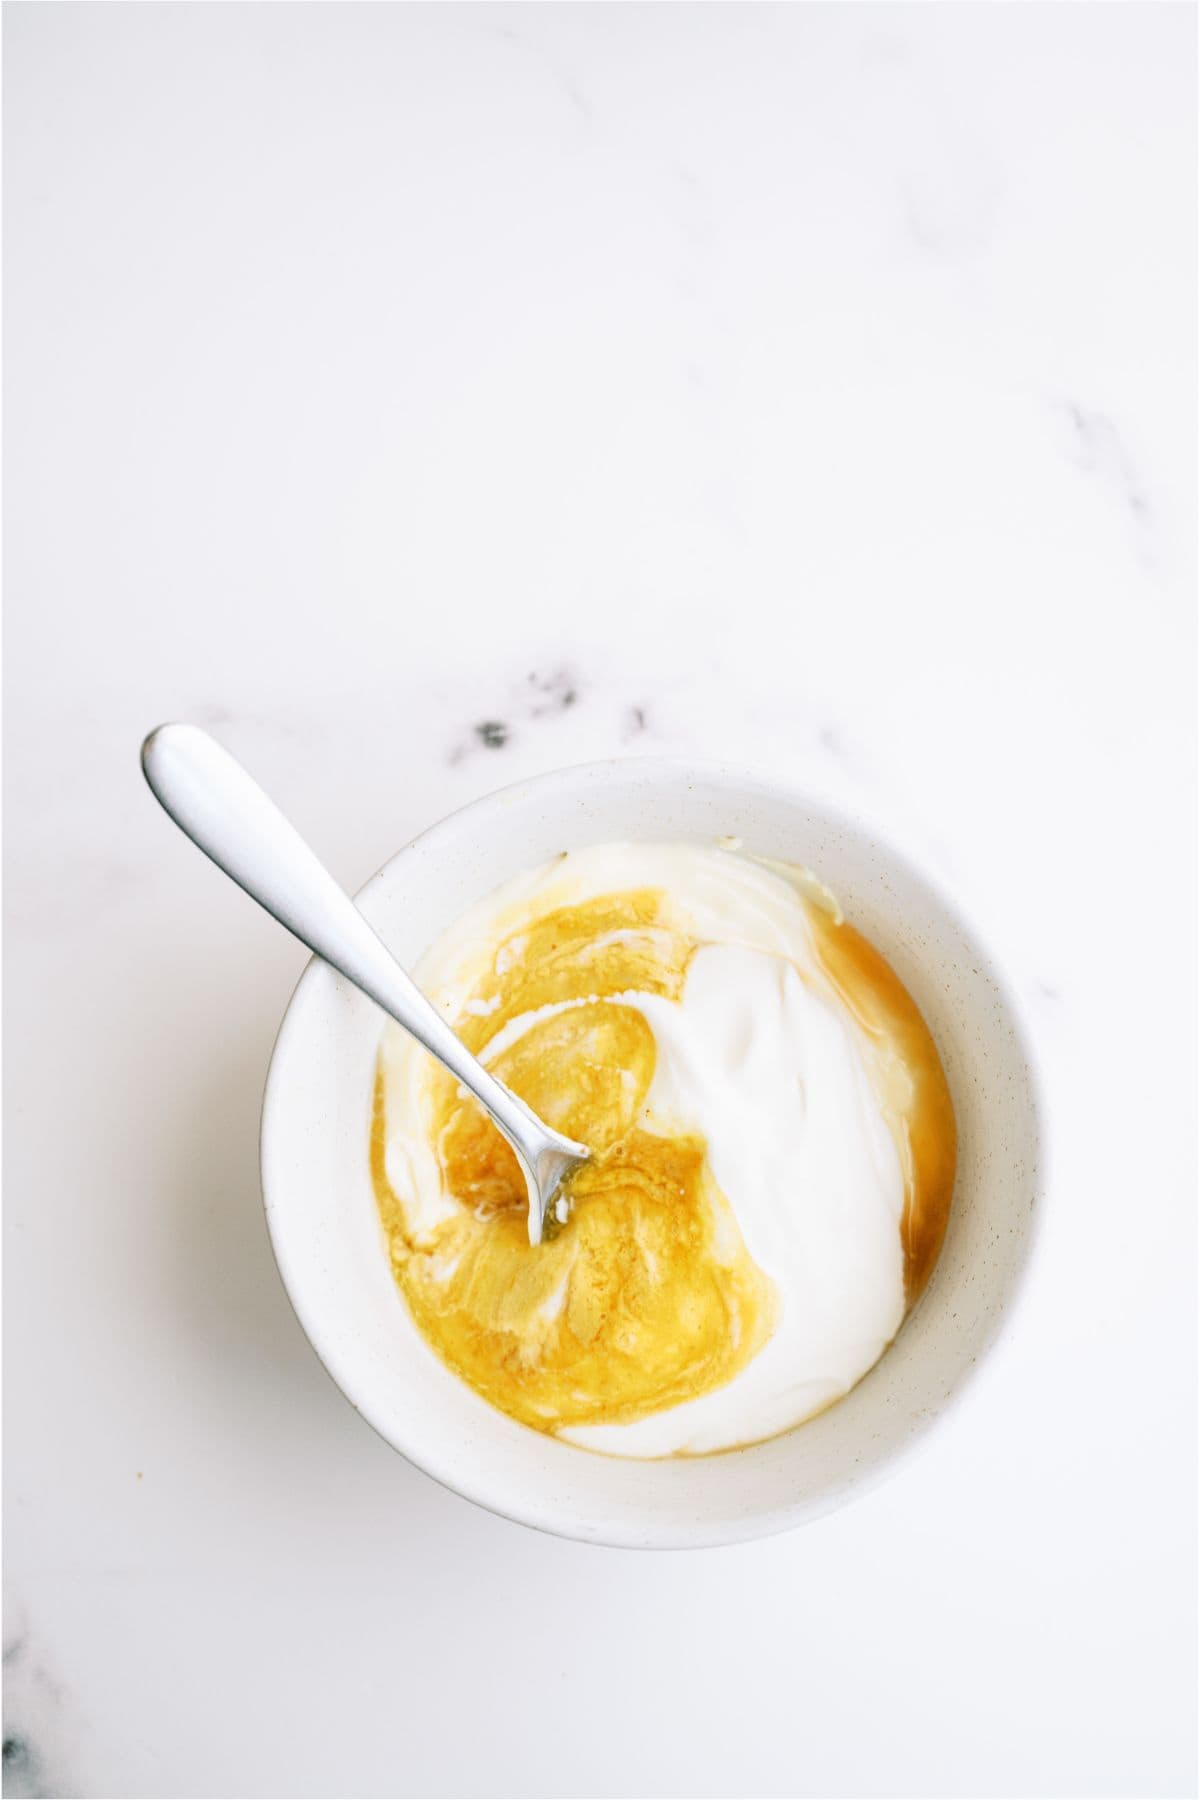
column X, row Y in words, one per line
column 648, row 1296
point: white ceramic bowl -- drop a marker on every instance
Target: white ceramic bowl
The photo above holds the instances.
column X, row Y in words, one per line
column 329, row 1245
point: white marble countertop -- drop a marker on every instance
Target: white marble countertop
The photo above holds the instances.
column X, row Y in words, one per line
column 423, row 397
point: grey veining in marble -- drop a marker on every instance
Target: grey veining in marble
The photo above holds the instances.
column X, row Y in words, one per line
column 37, row 1729
column 1096, row 447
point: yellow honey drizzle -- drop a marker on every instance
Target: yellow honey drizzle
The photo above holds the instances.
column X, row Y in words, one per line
column 910, row 1082
column 648, row 1296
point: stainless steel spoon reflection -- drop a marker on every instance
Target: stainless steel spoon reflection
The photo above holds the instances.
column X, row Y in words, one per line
column 217, row 804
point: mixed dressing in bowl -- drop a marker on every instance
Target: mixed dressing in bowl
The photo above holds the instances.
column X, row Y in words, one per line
column 772, row 1151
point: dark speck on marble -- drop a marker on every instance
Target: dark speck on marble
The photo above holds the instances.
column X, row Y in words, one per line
column 551, row 693
column 22, row 1777
column 536, row 695
column 635, row 721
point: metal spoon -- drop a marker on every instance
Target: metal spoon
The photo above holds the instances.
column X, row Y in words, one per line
column 213, row 800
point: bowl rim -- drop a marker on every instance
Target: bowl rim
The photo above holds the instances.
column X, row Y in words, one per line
column 690, row 1533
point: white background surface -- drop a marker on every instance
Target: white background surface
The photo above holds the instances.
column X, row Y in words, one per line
column 813, row 386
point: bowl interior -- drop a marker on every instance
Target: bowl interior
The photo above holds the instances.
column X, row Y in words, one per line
column 329, row 1244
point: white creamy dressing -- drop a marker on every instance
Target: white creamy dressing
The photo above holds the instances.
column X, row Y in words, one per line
column 763, row 1061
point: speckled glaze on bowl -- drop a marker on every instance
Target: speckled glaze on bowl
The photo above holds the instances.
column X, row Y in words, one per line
column 328, row 1242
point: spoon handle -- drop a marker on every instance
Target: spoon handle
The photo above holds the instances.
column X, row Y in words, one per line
column 217, row 804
